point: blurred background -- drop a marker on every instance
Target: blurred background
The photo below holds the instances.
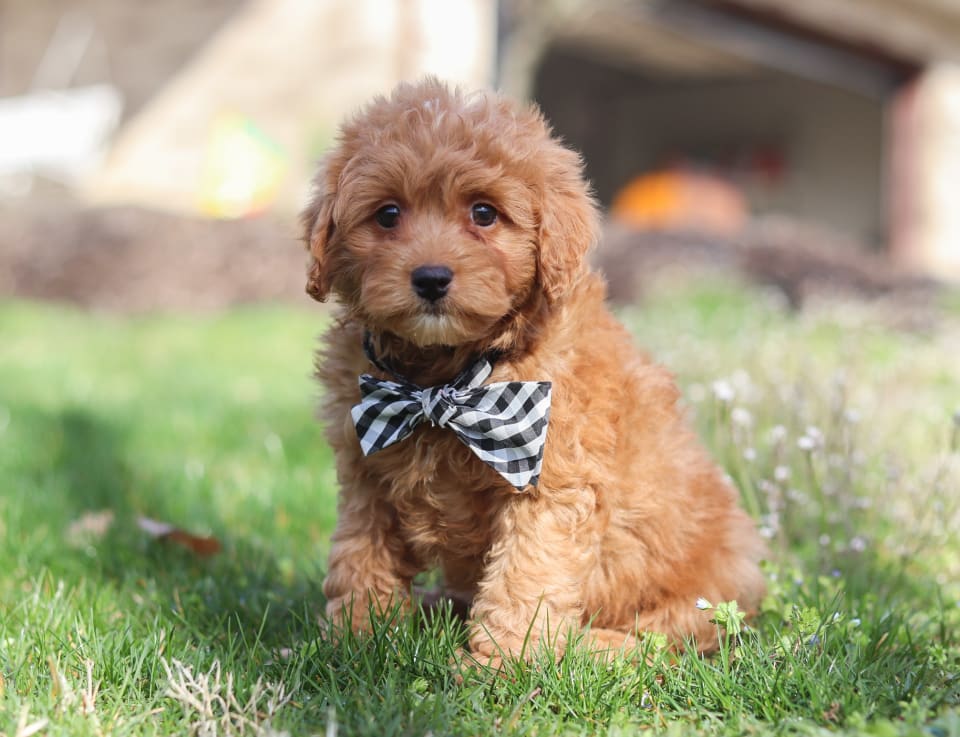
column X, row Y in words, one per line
column 154, row 154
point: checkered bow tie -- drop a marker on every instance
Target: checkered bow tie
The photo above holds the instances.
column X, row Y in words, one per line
column 504, row 424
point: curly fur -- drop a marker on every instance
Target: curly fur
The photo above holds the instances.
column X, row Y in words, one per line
column 631, row 521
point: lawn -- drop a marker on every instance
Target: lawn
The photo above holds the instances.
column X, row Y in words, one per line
column 838, row 431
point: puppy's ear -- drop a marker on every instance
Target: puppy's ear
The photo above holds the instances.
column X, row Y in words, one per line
column 569, row 223
column 318, row 227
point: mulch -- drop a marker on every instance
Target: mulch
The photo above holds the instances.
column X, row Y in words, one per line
column 128, row 259
column 133, row 260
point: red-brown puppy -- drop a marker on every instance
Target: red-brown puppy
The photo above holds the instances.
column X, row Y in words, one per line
column 454, row 227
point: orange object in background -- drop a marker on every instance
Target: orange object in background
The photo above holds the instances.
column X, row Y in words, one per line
column 681, row 199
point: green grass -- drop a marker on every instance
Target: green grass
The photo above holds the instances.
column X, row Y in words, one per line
column 207, row 423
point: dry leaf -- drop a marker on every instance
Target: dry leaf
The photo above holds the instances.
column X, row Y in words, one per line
column 163, row 531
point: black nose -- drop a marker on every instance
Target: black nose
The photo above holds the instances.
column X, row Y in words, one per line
column 431, row 282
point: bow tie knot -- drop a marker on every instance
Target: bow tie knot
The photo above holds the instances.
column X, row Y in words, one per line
column 504, row 424
column 438, row 404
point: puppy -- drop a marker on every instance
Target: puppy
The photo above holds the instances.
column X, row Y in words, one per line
column 453, row 230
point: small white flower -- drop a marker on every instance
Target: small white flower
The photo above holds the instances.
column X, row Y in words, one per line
column 806, row 443
column 741, row 417
column 781, row 473
column 814, row 434
column 855, row 622
column 852, row 416
column 723, row 390
column 778, row 433
column 797, row 496
column 858, row 544
column 824, row 540
column 703, row 604
column 749, row 455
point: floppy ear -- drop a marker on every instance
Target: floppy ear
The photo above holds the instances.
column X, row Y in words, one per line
column 318, row 227
column 569, row 223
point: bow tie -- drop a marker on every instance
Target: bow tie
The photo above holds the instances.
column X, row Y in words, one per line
column 504, row 424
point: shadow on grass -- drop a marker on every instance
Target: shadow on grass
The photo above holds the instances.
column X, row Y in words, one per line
column 74, row 463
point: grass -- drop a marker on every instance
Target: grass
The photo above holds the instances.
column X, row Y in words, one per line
column 837, row 430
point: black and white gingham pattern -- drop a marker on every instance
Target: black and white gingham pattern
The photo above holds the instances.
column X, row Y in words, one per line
column 504, row 424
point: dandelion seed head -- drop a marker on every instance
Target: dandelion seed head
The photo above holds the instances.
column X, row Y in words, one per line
column 858, row 544
column 778, row 433
column 781, row 473
column 723, row 391
column 741, row 417
column 767, row 487
column 806, row 443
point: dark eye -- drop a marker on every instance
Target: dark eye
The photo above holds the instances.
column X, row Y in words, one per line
column 483, row 214
column 387, row 216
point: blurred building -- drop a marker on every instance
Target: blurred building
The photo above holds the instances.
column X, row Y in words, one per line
column 240, row 126
column 840, row 113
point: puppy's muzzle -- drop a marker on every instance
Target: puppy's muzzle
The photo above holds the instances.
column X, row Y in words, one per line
column 431, row 282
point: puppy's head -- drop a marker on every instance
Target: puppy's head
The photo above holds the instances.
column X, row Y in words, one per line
column 441, row 217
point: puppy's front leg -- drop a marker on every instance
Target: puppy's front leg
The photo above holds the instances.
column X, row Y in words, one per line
column 531, row 589
column 369, row 565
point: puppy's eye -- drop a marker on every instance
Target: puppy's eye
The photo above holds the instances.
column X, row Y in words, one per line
column 387, row 216
column 483, row 214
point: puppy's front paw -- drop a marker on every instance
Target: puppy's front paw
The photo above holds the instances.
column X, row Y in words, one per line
column 355, row 612
column 464, row 662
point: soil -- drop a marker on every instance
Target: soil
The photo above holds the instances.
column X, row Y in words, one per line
column 127, row 259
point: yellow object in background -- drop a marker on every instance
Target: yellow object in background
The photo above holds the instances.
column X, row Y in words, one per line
column 243, row 169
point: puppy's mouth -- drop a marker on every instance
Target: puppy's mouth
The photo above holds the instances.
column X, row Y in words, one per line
column 433, row 307
column 435, row 324
column 432, row 324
